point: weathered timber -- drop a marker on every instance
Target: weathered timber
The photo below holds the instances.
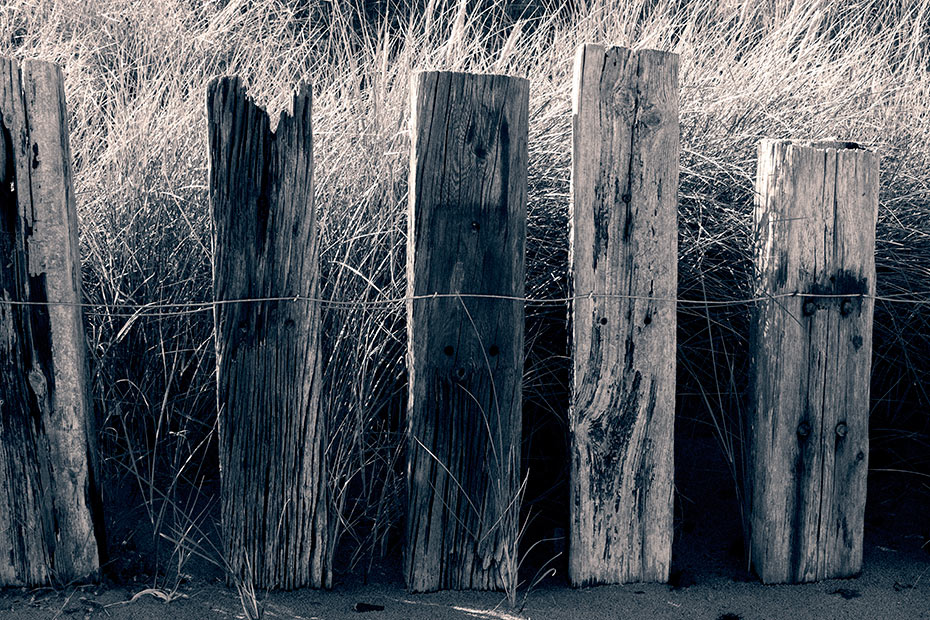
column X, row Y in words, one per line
column 272, row 434
column 466, row 235
column 816, row 207
column 47, row 496
column 624, row 271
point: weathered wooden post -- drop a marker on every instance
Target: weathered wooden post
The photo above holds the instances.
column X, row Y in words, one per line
column 466, row 235
column 624, row 271
column 816, row 206
column 272, row 436
column 46, row 425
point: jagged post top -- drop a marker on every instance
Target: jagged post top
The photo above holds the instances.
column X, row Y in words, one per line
column 220, row 87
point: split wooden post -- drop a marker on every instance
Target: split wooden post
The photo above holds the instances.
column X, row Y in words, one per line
column 624, row 271
column 466, row 235
column 816, row 207
column 272, row 435
column 48, row 507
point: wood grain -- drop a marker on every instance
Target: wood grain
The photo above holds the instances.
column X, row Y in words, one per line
column 467, row 229
column 272, row 436
column 815, row 216
column 624, row 243
column 47, row 495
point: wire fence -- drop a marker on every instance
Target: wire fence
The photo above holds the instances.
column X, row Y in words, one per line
column 166, row 309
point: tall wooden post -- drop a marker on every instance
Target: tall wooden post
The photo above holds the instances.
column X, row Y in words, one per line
column 466, row 235
column 816, row 206
column 624, row 270
column 46, row 425
column 272, row 436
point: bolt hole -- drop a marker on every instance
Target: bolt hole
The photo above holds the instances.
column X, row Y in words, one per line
column 448, row 350
column 460, row 373
column 604, row 320
column 493, row 350
column 647, row 320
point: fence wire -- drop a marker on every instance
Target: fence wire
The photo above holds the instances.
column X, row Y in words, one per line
column 170, row 309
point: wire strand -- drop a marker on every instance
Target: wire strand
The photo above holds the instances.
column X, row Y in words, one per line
column 167, row 309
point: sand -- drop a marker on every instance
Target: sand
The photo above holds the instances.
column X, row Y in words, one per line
column 895, row 583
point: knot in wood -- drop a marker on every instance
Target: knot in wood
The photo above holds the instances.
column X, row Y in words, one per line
column 38, row 383
column 841, row 429
column 650, row 117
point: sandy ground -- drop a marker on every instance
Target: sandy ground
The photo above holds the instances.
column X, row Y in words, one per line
column 895, row 583
column 709, row 576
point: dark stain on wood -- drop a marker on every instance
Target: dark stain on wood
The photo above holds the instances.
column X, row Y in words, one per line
column 842, row 291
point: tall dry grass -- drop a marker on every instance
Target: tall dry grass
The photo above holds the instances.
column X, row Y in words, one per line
column 135, row 80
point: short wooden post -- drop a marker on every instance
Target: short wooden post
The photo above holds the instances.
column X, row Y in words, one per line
column 467, row 228
column 272, row 436
column 624, row 270
column 46, row 425
column 816, row 206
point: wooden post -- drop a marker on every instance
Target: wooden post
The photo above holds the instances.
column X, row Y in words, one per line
column 46, row 426
column 816, row 206
column 624, row 270
column 467, row 229
column 272, row 436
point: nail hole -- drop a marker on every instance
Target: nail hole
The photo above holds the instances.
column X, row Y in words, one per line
column 460, row 373
column 475, row 226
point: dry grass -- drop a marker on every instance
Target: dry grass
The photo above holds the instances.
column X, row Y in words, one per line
column 135, row 79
